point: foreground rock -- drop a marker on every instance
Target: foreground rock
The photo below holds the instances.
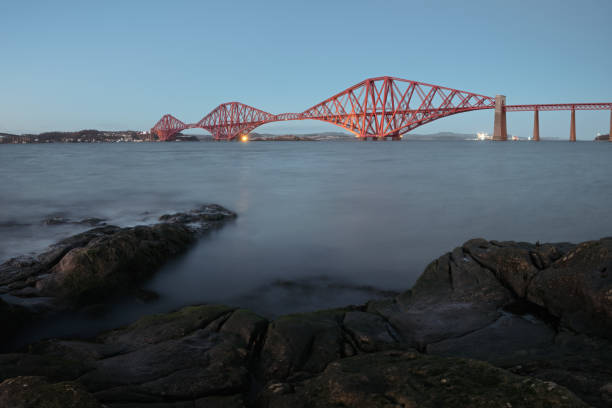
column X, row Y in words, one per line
column 539, row 310
column 189, row 355
column 411, row 379
column 206, row 355
column 90, row 266
column 538, row 316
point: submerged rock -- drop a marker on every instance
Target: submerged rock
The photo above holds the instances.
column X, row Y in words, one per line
column 200, row 218
column 59, row 220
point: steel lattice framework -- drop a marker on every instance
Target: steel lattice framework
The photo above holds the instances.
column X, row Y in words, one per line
column 386, row 106
column 374, row 108
column 231, row 119
column 168, row 126
column 559, row 106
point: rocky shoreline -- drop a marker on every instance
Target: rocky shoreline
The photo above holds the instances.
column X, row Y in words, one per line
column 97, row 265
column 504, row 324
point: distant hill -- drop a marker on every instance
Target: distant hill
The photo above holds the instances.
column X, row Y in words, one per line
column 350, row 136
column 602, row 138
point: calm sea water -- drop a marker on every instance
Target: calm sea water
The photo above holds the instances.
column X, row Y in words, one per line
column 320, row 224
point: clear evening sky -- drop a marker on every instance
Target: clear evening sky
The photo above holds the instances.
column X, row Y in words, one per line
column 69, row 65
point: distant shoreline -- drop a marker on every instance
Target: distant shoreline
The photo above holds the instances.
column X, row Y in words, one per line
column 132, row 136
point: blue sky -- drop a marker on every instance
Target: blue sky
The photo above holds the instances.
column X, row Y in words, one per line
column 123, row 64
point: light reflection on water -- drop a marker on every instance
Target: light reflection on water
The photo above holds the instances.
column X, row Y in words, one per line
column 347, row 212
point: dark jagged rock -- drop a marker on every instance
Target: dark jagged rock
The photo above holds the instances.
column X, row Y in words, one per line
column 411, row 379
column 580, row 363
column 189, row 355
column 302, row 344
column 22, row 272
column 95, row 265
column 540, row 313
column 454, row 296
column 370, row 332
column 201, row 217
column 113, row 262
column 163, row 327
column 206, row 355
column 571, row 282
column 465, row 304
column 577, row 288
column 87, row 265
column 507, row 339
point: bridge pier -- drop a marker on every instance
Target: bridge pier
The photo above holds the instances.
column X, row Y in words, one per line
column 536, row 126
column 610, row 134
column 499, row 128
column 573, row 126
column 395, row 136
column 165, row 135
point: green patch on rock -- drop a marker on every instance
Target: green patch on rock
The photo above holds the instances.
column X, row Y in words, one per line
column 161, row 327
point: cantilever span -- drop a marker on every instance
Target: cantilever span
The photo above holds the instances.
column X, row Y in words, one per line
column 375, row 108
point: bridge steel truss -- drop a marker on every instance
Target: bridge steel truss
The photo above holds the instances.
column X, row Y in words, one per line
column 376, row 108
column 388, row 107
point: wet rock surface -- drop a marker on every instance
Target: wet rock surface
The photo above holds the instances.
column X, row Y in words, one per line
column 201, row 218
column 101, row 262
column 537, row 317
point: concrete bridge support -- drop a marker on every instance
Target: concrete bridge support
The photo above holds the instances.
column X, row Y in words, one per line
column 536, row 126
column 499, row 129
column 573, row 127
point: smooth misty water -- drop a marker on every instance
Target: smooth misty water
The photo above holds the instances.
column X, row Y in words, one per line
column 320, row 224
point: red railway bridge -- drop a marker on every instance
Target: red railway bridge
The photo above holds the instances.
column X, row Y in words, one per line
column 375, row 109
